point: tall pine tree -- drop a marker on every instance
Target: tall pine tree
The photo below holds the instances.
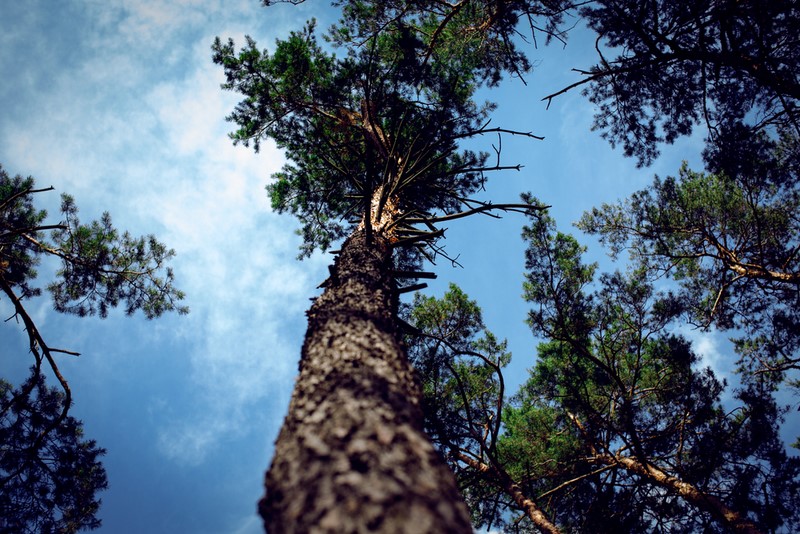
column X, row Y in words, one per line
column 373, row 142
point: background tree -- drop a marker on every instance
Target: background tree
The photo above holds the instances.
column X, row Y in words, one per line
column 732, row 242
column 731, row 65
column 460, row 364
column 632, row 391
column 617, row 428
column 48, row 474
column 53, row 487
column 373, row 140
column 729, row 235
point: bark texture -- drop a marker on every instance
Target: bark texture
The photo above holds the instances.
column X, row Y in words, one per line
column 351, row 455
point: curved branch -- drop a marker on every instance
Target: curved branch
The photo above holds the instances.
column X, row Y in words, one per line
column 22, row 193
column 37, row 342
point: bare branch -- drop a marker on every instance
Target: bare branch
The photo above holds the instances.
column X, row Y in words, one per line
column 484, row 130
column 37, row 342
column 427, row 237
column 413, row 274
column 19, row 194
column 484, row 208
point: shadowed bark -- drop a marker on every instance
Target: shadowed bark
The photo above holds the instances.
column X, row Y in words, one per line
column 352, row 455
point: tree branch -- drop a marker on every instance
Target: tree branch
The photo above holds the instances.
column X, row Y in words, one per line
column 36, row 340
column 483, row 208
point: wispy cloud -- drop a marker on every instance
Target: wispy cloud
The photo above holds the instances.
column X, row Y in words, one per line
column 715, row 352
column 137, row 126
column 237, row 262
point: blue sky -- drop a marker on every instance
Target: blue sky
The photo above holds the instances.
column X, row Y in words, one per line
column 117, row 102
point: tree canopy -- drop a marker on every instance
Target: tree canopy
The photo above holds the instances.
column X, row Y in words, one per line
column 49, row 474
column 632, row 391
column 380, row 125
column 665, row 67
column 731, row 242
column 618, row 428
column 52, row 487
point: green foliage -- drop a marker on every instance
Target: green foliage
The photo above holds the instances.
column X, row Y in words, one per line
column 351, row 125
column 49, row 485
column 679, row 63
column 459, row 363
column 456, row 358
column 612, row 381
column 386, row 119
column 474, row 35
column 730, row 241
column 557, row 258
column 49, row 474
column 622, row 384
column 99, row 267
column 17, row 217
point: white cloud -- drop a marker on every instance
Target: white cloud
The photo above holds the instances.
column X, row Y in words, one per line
column 707, row 347
column 156, row 154
column 238, row 262
column 715, row 352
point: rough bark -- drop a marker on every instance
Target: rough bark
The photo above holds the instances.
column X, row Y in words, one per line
column 352, row 455
column 732, row 519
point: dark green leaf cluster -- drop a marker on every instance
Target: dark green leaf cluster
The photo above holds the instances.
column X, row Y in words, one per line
column 732, row 243
column 100, row 268
column 467, row 36
column 49, row 485
column 459, row 363
column 350, row 126
column 49, row 475
column 451, row 354
column 384, row 122
column 678, row 63
column 556, row 257
column 615, row 384
column 17, row 218
column 622, row 384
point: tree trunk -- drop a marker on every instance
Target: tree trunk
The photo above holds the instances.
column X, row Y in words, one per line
column 352, row 455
